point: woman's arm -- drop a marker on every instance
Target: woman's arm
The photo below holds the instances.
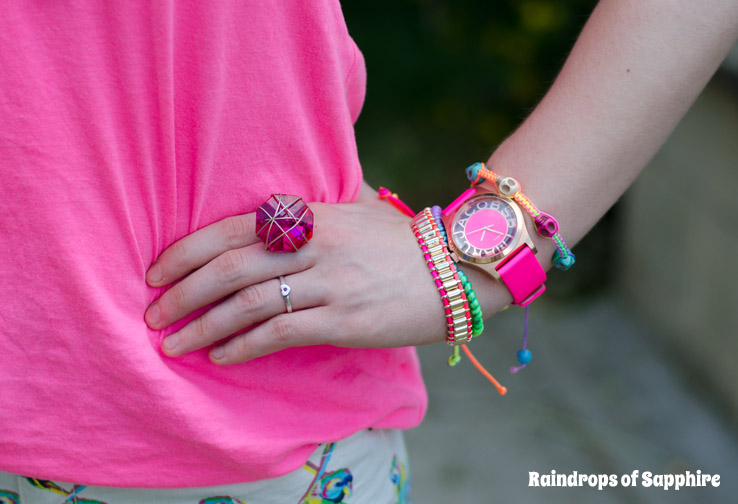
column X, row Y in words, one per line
column 635, row 70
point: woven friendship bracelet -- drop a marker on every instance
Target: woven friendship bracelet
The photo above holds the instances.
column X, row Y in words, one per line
column 471, row 296
column 402, row 207
column 474, row 307
column 546, row 225
column 444, row 274
column 443, row 270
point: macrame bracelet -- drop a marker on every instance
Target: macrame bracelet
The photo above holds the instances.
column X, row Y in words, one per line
column 388, row 195
column 476, row 309
column 436, row 211
column 393, row 198
column 443, row 269
column 471, row 296
column 546, row 225
column 477, row 317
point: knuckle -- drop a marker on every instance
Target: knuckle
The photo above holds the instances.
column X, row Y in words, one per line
column 230, row 265
column 200, row 327
column 249, row 298
column 283, row 331
column 235, row 230
column 178, row 296
column 243, row 349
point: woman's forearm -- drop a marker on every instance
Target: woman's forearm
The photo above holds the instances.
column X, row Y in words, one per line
column 635, row 70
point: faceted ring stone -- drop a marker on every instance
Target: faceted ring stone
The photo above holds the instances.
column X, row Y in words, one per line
column 284, row 223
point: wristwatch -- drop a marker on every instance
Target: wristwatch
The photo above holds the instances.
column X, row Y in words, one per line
column 486, row 230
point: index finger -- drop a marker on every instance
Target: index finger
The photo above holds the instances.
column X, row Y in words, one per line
column 201, row 247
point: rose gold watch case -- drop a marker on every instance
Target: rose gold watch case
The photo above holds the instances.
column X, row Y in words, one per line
column 489, row 264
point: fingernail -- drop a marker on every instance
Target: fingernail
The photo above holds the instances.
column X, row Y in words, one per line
column 153, row 314
column 170, row 343
column 154, row 275
column 218, row 353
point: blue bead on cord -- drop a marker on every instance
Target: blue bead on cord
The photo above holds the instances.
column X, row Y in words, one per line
column 472, row 172
column 563, row 263
column 524, row 354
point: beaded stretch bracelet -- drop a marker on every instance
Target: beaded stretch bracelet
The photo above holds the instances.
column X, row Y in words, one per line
column 477, row 317
column 386, row 194
column 546, row 225
column 471, row 296
column 443, row 269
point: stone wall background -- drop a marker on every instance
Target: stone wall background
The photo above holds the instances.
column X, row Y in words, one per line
column 680, row 238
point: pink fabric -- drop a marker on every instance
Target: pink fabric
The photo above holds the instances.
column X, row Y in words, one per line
column 125, row 126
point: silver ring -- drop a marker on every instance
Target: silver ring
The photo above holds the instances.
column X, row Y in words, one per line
column 285, row 293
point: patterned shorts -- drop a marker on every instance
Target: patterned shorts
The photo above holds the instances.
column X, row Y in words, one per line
column 369, row 467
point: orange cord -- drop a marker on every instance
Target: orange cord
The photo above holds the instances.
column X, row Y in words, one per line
column 501, row 389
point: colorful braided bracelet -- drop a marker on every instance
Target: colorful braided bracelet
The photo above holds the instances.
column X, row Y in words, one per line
column 443, row 270
column 477, row 316
column 471, row 296
column 386, row 194
column 546, row 225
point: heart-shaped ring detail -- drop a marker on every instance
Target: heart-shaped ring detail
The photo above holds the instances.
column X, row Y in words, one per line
column 285, row 289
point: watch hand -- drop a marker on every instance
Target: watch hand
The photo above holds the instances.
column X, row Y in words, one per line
column 495, row 231
column 486, row 228
column 477, row 230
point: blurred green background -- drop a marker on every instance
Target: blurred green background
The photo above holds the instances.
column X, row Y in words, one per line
column 448, row 81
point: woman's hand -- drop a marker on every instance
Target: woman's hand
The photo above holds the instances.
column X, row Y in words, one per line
column 360, row 282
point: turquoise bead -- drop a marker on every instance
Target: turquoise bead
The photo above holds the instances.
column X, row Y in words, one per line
column 561, row 263
column 472, row 172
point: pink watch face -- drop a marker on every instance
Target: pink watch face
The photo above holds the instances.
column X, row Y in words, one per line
column 484, row 227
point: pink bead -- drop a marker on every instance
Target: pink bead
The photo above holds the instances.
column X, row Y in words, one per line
column 546, row 225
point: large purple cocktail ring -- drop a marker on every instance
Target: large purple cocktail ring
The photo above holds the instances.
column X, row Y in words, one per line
column 284, row 223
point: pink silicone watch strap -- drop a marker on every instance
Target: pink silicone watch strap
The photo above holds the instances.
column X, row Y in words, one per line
column 523, row 276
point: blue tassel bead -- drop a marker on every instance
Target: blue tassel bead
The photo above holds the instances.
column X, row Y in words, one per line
column 524, row 356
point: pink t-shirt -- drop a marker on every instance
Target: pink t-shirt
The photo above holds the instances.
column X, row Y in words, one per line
column 126, row 126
